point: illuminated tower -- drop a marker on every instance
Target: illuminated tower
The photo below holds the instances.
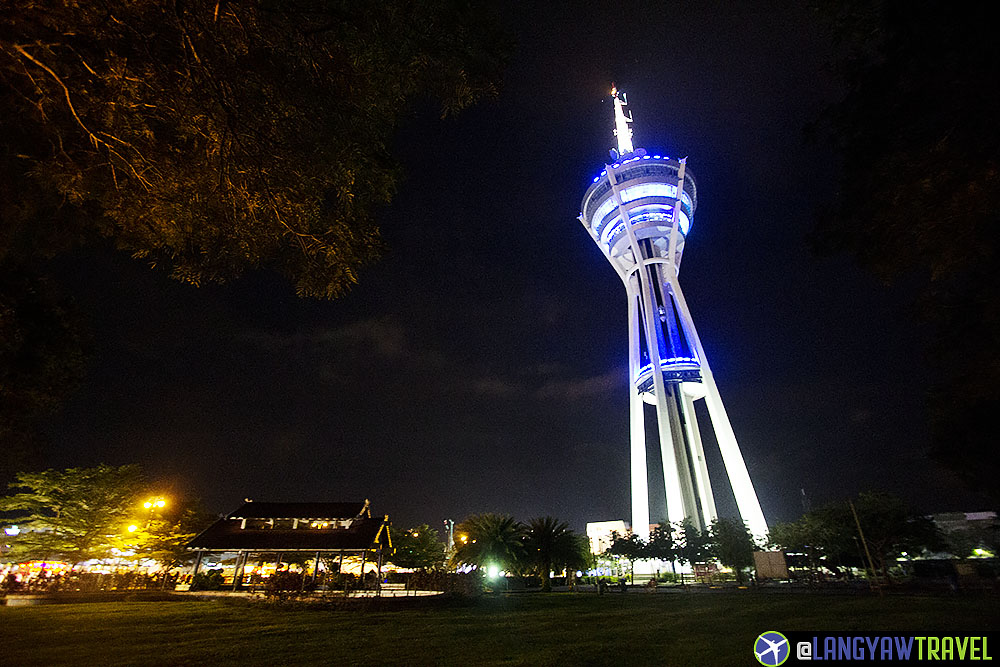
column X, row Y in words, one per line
column 639, row 211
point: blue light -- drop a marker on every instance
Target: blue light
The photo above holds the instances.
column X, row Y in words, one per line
column 664, row 363
column 645, row 157
column 596, row 178
column 604, row 173
column 656, row 157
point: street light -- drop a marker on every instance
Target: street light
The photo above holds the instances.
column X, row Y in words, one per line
column 156, row 502
column 132, row 528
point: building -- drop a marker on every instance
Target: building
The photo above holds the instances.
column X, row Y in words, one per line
column 323, row 530
column 639, row 211
column 601, row 534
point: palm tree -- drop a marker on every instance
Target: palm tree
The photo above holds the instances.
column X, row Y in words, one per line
column 495, row 540
column 550, row 543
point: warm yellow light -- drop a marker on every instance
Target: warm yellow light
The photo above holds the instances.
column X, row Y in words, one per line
column 416, row 534
column 161, row 502
column 147, row 504
column 133, row 528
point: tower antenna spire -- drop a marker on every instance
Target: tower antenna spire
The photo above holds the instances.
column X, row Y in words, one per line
column 622, row 130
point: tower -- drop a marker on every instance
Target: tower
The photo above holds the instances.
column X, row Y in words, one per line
column 639, row 211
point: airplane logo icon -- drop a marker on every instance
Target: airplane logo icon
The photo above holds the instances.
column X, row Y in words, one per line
column 771, row 648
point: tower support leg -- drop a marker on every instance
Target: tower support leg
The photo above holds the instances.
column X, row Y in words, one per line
column 637, row 429
column 702, row 480
column 736, row 467
column 676, row 512
column 673, row 444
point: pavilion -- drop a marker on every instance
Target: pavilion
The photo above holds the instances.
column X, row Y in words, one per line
column 322, row 529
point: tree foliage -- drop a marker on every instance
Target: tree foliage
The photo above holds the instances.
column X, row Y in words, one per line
column 418, row 548
column 662, row 545
column 732, row 545
column 80, row 514
column 207, row 138
column 830, row 534
column 920, row 195
column 215, row 137
column 74, row 514
column 163, row 535
column 549, row 544
column 693, row 546
column 492, row 540
column 631, row 547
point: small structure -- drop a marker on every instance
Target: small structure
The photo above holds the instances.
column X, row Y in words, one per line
column 331, row 529
column 601, row 534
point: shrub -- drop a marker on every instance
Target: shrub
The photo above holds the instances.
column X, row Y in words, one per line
column 210, row 580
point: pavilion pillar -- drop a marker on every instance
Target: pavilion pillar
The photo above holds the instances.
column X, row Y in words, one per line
column 315, row 567
column 197, row 563
column 378, row 583
column 241, row 560
column 364, row 555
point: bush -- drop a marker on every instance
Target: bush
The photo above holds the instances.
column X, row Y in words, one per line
column 341, row 581
column 470, row 584
column 281, row 583
column 210, row 580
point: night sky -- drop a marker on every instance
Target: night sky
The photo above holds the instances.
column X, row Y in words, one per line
column 480, row 365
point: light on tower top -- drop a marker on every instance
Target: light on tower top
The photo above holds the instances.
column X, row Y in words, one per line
column 622, row 131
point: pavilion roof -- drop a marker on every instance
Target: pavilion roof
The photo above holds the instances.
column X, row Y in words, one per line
column 227, row 535
column 303, row 511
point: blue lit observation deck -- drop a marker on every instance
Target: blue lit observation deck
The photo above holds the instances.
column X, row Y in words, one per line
column 648, row 188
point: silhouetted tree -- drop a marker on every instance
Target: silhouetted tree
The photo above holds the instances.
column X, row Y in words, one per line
column 919, row 198
column 692, row 545
column 831, row 533
column 418, row 548
column 492, row 540
column 550, row 544
column 630, row 547
column 662, row 545
column 732, row 545
column 212, row 138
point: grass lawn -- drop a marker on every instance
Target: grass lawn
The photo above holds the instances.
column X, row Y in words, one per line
column 705, row 628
